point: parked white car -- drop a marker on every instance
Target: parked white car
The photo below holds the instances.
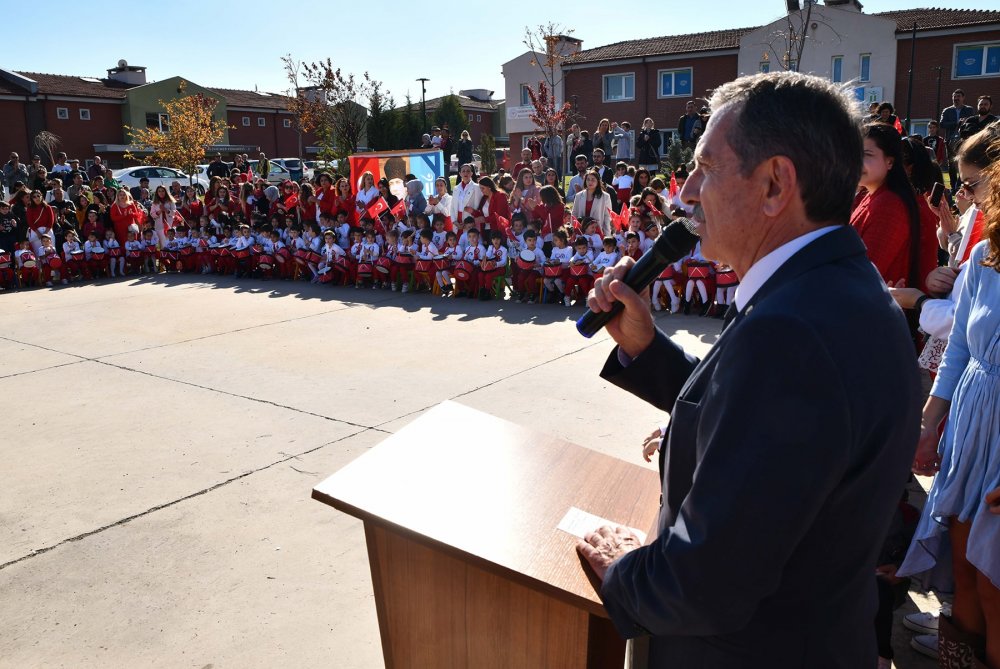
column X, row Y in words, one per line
column 158, row 176
column 477, row 160
column 277, row 175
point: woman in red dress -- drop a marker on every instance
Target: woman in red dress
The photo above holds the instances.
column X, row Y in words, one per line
column 887, row 215
column 41, row 217
column 325, row 197
column 345, row 201
column 125, row 212
column 495, row 206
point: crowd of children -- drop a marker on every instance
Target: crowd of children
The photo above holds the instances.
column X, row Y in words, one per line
column 521, row 259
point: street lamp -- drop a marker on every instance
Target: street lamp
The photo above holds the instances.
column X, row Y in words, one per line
column 423, row 103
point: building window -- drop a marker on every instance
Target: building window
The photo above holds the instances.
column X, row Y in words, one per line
column 765, row 66
column 918, row 126
column 84, row 114
column 286, row 123
column 837, row 69
column 159, row 122
column 261, row 122
column 246, row 121
column 470, row 118
column 865, row 73
column 977, row 60
column 619, row 87
column 675, row 83
column 793, row 66
column 525, row 98
column 479, row 118
column 62, row 113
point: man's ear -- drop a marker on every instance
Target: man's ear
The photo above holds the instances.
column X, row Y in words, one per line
column 782, row 186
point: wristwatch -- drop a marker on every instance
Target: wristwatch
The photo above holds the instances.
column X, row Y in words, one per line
column 919, row 304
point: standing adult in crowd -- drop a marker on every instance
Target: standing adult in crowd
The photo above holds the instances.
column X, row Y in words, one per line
column 647, row 146
column 690, row 126
column 771, row 519
column 162, row 209
column 62, row 170
column 535, row 145
column 960, row 523
column 447, row 148
column 602, row 137
column 606, row 173
column 593, row 202
column 464, row 150
column 125, row 213
column 14, row 171
column 217, row 168
column 576, row 183
column 900, row 243
column 466, row 196
column 951, row 119
column 554, row 145
column 96, row 169
column 263, row 166
column 983, row 117
column 623, row 141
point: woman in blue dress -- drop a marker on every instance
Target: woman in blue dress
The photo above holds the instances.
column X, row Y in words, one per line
column 961, row 520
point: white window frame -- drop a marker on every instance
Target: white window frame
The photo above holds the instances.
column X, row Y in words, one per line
column 919, row 125
column 470, row 118
column 84, row 114
column 62, row 113
column 833, row 69
column 983, row 74
column 673, row 72
column 246, row 121
column 479, row 118
column 604, row 87
column 286, row 123
column 159, row 120
column 861, row 77
column 261, row 122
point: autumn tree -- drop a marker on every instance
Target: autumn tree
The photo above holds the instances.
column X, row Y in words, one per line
column 546, row 116
column 304, row 107
column 193, row 128
column 449, row 114
column 549, row 49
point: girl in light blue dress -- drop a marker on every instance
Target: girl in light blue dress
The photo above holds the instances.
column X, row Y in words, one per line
column 961, row 519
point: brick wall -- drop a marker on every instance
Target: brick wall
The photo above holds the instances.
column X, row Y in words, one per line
column 79, row 136
column 13, row 131
column 585, row 86
column 477, row 128
column 933, row 52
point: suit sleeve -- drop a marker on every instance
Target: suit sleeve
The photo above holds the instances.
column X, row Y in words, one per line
column 656, row 375
column 773, row 434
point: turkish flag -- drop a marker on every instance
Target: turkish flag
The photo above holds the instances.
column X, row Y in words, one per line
column 398, row 211
column 673, row 186
column 377, row 208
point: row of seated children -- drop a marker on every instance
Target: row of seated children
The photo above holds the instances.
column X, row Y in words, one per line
column 95, row 257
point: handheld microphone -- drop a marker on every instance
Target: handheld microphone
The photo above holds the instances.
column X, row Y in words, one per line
column 675, row 242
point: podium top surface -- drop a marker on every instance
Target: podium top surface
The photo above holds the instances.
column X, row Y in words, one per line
column 493, row 493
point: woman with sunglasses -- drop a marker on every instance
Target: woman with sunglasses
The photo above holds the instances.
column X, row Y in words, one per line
column 962, row 513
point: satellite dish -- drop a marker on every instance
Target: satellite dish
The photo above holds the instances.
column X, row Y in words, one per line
column 122, row 63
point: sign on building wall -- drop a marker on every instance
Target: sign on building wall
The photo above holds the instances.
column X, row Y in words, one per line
column 518, row 113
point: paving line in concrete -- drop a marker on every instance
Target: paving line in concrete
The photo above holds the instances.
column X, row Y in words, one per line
column 158, row 507
column 592, row 343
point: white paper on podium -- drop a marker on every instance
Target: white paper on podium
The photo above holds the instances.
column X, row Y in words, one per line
column 578, row 523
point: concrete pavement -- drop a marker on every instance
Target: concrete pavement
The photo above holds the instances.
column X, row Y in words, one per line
column 168, row 431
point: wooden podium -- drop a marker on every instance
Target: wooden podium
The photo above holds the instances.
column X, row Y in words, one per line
column 460, row 510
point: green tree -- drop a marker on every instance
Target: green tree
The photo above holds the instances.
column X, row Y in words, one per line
column 488, row 152
column 410, row 126
column 383, row 122
column 450, row 114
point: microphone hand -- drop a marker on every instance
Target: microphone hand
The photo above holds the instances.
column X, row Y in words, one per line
column 633, row 328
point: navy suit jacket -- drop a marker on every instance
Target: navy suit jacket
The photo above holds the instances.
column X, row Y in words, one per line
column 788, row 449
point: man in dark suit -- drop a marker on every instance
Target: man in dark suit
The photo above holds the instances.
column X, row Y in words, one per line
column 790, row 443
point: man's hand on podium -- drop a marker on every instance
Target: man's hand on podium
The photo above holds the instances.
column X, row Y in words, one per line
column 606, row 545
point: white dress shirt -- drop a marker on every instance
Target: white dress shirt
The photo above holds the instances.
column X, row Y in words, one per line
column 763, row 269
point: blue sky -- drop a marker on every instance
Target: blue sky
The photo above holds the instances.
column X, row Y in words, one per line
column 455, row 45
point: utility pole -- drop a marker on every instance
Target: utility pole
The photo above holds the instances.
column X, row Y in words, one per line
column 909, row 87
column 423, row 102
column 937, row 109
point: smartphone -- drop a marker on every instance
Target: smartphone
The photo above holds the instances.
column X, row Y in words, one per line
column 936, row 194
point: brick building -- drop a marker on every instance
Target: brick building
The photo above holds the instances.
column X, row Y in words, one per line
column 484, row 114
column 89, row 114
column 655, row 77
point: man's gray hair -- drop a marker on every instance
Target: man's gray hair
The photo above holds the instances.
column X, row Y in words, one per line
column 814, row 123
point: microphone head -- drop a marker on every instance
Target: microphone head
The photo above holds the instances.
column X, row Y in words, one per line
column 677, row 240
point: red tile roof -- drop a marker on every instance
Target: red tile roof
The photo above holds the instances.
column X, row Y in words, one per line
column 926, row 19
column 659, row 46
column 61, row 84
column 939, row 19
